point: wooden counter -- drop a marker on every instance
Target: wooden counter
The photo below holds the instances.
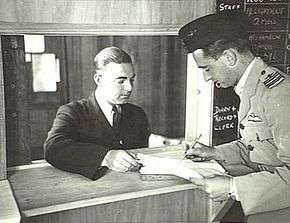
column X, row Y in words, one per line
column 46, row 194
column 9, row 212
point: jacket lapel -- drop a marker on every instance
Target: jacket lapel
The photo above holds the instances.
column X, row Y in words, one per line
column 98, row 117
column 250, row 87
column 127, row 119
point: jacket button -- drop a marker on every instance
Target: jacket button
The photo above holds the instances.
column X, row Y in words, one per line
column 250, row 147
column 121, row 142
column 242, row 126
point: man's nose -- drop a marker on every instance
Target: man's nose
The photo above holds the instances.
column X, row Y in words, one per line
column 128, row 86
column 206, row 76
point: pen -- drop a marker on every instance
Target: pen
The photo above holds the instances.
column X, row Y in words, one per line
column 193, row 143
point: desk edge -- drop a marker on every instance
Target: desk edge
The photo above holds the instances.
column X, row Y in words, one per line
column 104, row 200
column 9, row 210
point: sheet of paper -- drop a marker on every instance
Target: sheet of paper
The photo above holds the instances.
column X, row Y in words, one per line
column 173, row 163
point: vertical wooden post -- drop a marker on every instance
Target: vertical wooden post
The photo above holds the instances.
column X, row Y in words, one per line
column 2, row 123
column 16, row 97
column 199, row 110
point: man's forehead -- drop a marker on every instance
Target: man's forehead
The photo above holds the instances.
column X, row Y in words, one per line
column 198, row 53
column 113, row 65
column 200, row 57
column 122, row 69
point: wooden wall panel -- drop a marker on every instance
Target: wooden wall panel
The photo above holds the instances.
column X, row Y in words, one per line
column 41, row 119
column 16, row 101
column 91, row 16
column 75, row 69
column 58, row 47
column 29, row 114
column 43, row 105
column 156, row 208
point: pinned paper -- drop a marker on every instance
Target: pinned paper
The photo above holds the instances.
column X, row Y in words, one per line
column 34, row 43
column 46, row 73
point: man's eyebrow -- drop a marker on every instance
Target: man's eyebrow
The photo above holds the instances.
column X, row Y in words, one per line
column 125, row 77
column 202, row 66
column 122, row 77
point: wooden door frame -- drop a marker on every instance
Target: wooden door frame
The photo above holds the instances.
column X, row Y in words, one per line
column 3, row 171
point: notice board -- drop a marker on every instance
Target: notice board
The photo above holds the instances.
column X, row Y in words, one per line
column 269, row 35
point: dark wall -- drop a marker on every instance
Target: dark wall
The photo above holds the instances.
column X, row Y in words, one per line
column 16, row 85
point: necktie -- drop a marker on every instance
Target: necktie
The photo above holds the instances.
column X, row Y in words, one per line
column 116, row 118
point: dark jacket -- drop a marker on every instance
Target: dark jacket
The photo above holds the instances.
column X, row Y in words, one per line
column 81, row 136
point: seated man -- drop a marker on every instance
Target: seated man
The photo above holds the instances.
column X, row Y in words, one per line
column 90, row 135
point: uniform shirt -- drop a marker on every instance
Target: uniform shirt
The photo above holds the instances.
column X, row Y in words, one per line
column 260, row 160
column 239, row 88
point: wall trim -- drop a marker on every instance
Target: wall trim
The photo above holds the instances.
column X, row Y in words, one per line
column 12, row 28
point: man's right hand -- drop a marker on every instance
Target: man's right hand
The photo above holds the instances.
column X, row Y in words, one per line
column 119, row 160
column 201, row 152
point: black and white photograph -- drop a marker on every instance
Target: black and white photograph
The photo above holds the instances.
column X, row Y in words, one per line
column 142, row 111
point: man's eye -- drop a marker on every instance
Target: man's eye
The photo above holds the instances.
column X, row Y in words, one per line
column 121, row 81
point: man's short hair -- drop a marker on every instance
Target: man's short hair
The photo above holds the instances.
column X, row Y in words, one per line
column 109, row 55
column 216, row 49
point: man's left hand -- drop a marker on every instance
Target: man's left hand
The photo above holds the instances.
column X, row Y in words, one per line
column 218, row 186
column 160, row 141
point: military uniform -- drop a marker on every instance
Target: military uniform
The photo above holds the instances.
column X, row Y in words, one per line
column 260, row 159
column 264, row 147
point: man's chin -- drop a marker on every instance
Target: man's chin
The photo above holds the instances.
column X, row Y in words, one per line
column 222, row 85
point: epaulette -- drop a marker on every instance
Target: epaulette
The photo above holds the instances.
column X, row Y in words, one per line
column 271, row 77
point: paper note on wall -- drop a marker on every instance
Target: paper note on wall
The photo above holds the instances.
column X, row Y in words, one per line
column 34, row 43
column 45, row 71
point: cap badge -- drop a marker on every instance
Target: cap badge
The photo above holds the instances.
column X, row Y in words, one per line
column 192, row 33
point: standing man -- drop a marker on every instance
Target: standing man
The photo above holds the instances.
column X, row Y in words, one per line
column 258, row 162
column 91, row 135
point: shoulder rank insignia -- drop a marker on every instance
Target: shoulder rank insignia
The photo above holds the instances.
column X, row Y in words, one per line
column 271, row 77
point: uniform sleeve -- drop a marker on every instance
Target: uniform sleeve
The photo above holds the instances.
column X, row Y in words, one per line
column 234, row 157
column 64, row 151
column 272, row 190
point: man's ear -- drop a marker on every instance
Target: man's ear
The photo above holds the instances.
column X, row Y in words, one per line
column 230, row 57
column 98, row 78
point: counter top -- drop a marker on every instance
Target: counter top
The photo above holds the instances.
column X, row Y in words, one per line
column 9, row 212
column 41, row 189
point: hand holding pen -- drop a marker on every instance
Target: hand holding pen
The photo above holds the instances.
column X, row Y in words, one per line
column 192, row 145
column 199, row 152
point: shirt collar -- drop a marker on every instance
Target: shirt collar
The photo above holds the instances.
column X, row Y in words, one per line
column 105, row 106
column 239, row 88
